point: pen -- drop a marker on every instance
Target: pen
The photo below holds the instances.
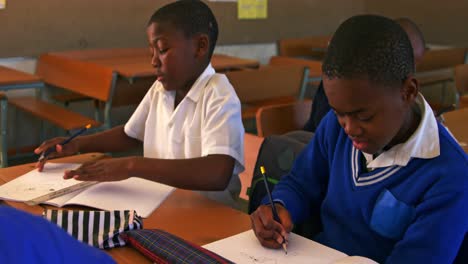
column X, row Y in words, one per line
column 273, row 208
column 52, row 149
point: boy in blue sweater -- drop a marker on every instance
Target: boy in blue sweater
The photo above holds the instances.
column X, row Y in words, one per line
column 388, row 181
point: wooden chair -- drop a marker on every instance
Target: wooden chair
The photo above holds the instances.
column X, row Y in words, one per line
column 314, row 66
column 439, row 90
column 310, row 47
column 461, row 82
column 252, row 144
column 436, row 76
column 282, row 118
column 268, row 85
column 441, row 59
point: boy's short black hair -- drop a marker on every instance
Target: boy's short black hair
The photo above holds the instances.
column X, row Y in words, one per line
column 190, row 16
column 372, row 47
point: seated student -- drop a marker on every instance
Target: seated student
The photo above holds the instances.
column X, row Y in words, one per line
column 31, row 239
column 189, row 122
column 387, row 180
column 320, row 105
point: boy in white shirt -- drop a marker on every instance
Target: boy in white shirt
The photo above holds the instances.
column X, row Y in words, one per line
column 189, row 122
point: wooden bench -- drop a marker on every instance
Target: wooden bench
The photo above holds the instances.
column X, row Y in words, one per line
column 268, row 85
column 282, row 118
column 59, row 116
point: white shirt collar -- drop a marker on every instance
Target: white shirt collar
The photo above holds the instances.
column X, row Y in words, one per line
column 195, row 91
column 424, row 143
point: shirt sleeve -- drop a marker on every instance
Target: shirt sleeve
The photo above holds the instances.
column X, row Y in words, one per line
column 223, row 131
column 135, row 126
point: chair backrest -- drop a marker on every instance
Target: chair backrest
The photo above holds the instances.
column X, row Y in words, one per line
column 314, row 66
column 279, row 119
column 442, row 58
column 304, row 47
column 81, row 77
column 268, row 82
column 461, row 78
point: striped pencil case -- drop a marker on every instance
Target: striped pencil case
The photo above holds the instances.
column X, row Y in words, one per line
column 101, row 229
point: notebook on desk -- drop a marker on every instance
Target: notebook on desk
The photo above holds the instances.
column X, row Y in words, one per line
column 245, row 248
column 137, row 194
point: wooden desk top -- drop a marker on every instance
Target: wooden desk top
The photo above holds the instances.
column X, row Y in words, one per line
column 10, row 76
column 184, row 213
column 135, row 62
column 457, row 122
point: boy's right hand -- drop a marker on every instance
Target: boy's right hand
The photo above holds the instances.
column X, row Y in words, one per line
column 269, row 232
column 60, row 151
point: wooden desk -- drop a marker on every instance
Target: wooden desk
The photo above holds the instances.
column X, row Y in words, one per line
column 308, row 47
column 14, row 79
column 184, row 213
column 457, row 122
column 135, row 62
column 135, row 74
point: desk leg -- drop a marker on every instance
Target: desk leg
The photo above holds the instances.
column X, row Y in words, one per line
column 3, row 132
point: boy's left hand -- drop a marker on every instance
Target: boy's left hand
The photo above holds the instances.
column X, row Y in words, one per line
column 101, row 170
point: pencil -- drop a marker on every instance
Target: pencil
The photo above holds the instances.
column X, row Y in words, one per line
column 273, row 208
column 66, row 141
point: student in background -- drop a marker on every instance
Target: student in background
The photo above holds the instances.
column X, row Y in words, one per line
column 31, row 239
column 320, row 105
column 189, row 122
column 387, row 180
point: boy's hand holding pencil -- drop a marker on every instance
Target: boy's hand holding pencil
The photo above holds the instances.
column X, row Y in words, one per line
column 269, row 232
column 271, row 223
column 58, row 147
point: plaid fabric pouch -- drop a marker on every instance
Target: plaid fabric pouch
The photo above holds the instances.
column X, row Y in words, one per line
column 162, row 247
column 101, row 229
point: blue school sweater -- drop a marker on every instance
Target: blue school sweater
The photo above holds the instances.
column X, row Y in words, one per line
column 412, row 214
column 25, row 238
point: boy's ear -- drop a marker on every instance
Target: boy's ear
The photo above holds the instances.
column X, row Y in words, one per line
column 410, row 89
column 202, row 43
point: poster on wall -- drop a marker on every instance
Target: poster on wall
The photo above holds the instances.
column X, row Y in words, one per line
column 252, row 9
column 2, row 4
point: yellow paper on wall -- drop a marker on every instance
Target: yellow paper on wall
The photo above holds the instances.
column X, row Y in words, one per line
column 252, row 9
column 2, row 4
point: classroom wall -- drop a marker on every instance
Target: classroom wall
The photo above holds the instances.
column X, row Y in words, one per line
column 442, row 22
column 29, row 28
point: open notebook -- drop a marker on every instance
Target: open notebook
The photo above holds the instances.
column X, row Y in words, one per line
column 137, row 194
column 245, row 248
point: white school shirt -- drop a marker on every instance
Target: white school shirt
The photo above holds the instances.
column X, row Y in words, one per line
column 206, row 121
column 424, row 143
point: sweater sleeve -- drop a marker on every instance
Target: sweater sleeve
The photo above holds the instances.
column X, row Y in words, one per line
column 31, row 239
column 437, row 232
column 303, row 189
